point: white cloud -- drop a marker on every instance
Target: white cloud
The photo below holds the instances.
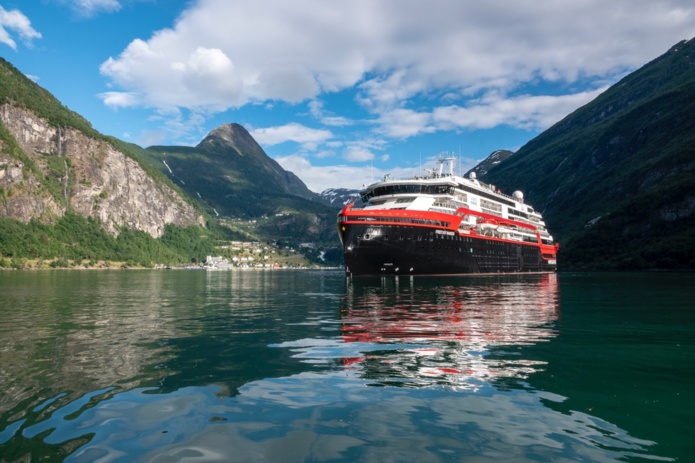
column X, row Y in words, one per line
column 524, row 112
column 358, row 154
column 319, row 178
column 283, row 79
column 362, row 149
column 521, row 112
column 89, row 8
column 325, row 154
column 390, row 90
column 206, row 74
column 184, row 126
column 414, row 66
column 293, row 51
column 204, row 79
column 119, row 99
column 309, row 138
column 404, row 123
column 149, row 138
column 316, row 110
column 17, row 22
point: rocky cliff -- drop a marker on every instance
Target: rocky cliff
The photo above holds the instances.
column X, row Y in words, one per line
column 46, row 170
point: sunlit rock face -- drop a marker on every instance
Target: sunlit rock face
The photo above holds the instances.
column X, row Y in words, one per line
column 62, row 169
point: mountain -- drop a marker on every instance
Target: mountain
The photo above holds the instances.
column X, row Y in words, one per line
column 489, row 162
column 231, row 175
column 615, row 178
column 249, row 160
column 338, row 197
column 52, row 162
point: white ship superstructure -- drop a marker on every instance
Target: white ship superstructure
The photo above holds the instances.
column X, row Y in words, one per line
column 442, row 204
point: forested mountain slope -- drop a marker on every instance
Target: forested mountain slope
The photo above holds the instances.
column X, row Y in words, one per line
column 615, row 179
column 231, row 175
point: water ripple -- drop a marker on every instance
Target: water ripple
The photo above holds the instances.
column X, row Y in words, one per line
column 291, row 366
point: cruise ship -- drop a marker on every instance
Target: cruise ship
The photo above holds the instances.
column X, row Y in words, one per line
column 443, row 224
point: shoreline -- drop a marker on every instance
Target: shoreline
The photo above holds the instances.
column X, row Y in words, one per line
column 124, row 266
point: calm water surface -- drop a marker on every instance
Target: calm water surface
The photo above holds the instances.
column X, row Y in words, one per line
column 192, row 366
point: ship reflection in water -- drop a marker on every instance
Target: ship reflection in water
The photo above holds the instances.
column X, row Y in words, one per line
column 272, row 366
column 447, row 331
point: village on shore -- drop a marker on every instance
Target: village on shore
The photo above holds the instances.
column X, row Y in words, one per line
column 235, row 255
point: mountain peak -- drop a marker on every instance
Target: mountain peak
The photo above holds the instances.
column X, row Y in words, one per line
column 234, row 136
column 491, row 161
column 229, row 131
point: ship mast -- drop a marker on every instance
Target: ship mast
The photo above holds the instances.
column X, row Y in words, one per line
column 450, row 162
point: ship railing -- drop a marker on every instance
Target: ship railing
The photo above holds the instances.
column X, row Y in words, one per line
column 431, row 176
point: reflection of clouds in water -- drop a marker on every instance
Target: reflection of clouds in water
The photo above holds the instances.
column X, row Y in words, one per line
column 447, row 347
column 332, row 417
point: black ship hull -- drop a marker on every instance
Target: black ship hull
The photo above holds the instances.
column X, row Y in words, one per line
column 378, row 250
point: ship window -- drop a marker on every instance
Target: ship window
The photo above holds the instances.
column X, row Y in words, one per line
column 490, row 205
column 486, row 194
column 408, row 188
column 437, row 223
column 518, row 213
column 445, row 204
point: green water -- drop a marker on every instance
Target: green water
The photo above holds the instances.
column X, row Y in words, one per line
column 161, row 366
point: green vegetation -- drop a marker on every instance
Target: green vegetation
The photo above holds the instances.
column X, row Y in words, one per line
column 224, row 184
column 74, row 240
column 227, row 175
column 645, row 233
column 16, row 88
column 301, row 235
column 615, row 178
column 78, row 241
column 230, row 176
column 137, row 153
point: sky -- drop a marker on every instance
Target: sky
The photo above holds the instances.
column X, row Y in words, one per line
column 338, row 92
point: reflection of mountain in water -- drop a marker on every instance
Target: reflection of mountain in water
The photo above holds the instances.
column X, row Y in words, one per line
column 271, row 345
column 458, row 332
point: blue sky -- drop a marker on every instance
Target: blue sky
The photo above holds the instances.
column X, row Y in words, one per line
column 338, row 92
